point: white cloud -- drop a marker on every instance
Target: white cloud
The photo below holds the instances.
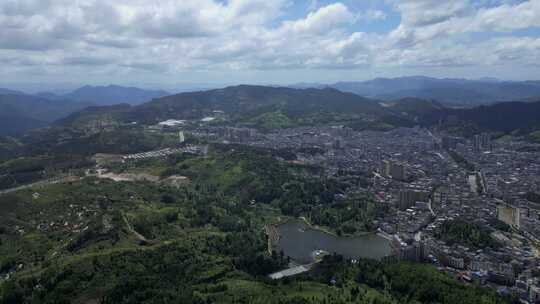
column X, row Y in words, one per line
column 171, row 36
column 325, row 19
column 372, row 14
column 429, row 12
column 509, row 17
column 424, row 20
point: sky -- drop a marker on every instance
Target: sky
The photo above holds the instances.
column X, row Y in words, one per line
column 165, row 43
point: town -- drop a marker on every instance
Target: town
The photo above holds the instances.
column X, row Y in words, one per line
column 429, row 180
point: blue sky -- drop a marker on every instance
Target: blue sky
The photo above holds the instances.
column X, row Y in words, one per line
column 48, row 44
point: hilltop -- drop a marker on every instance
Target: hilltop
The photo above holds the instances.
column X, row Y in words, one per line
column 257, row 106
column 113, row 94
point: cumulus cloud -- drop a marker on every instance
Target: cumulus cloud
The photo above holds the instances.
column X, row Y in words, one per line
column 509, row 17
column 170, row 36
column 424, row 20
column 323, row 20
column 430, row 12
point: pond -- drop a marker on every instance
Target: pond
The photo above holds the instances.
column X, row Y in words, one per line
column 299, row 241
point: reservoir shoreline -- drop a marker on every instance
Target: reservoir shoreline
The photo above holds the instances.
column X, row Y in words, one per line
column 299, row 239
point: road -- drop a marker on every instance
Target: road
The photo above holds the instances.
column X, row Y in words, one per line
column 40, row 183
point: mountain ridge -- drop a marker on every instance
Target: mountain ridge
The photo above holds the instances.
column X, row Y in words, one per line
column 113, row 94
column 451, row 91
column 24, row 112
column 254, row 100
column 29, row 111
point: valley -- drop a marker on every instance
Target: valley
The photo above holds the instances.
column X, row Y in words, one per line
column 270, row 152
column 143, row 189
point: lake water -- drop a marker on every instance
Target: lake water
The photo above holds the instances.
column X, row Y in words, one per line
column 299, row 241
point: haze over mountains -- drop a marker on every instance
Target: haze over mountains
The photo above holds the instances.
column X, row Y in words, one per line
column 108, row 95
column 278, row 107
column 460, row 92
column 20, row 111
column 259, row 106
column 411, row 100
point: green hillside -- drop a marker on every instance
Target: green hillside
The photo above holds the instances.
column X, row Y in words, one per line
column 101, row 241
column 257, row 106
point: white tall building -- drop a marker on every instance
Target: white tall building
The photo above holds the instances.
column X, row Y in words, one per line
column 181, row 137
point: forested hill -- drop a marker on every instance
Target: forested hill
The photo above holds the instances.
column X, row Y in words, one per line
column 278, row 107
column 505, row 117
column 113, row 94
column 20, row 112
column 256, row 105
column 256, row 100
column 414, row 106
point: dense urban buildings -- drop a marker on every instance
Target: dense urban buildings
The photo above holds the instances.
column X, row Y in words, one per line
column 423, row 177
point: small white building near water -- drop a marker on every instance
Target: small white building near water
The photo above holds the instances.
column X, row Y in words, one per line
column 172, row 123
column 290, row 272
column 208, row 119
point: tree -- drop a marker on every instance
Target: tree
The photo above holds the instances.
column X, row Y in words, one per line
column 168, row 199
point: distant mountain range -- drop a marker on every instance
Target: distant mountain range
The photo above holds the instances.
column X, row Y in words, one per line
column 455, row 92
column 257, row 100
column 20, row 112
column 11, row 92
column 107, row 95
column 278, row 107
column 250, row 105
